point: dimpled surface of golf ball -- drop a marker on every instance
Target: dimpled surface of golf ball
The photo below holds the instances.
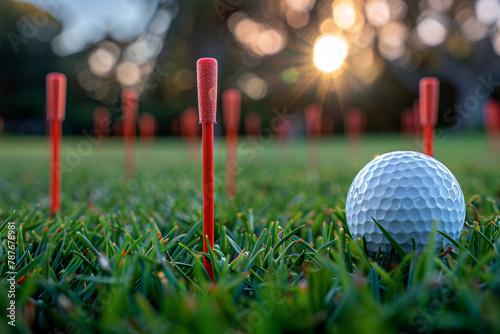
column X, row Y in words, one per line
column 407, row 193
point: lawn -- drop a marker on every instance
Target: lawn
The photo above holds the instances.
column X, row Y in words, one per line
column 125, row 256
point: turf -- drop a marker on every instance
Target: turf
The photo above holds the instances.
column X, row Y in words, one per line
column 125, row 256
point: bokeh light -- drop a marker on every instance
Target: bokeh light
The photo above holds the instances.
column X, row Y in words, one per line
column 378, row 12
column 391, row 40
column 344, row 14
column 185, row 79
column 300, row 5
column 144, row 49
column 328, row 26
column 487, row 11
column 496, row 42
column 253, row 86
column 474, row 30
column 259, row 38
column 127, row 73
column 431, row 31
column 101, row 61
column 363, row 59
column 329, row 53
column 398, row 9
column 297, row 19
column 440, row 5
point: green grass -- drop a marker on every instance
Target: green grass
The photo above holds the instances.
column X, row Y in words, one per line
column 125, row 257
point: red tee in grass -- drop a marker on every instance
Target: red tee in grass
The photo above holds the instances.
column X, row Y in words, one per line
column 102, row 122
column 130, row 102
column 190, row 129
column 428, row 101
column 56, row 105
column 207, row 106
column 283, row 129
column 313, row 125
column 231, row 108
column 491, row 117
column 253, row 124
column 147, row 125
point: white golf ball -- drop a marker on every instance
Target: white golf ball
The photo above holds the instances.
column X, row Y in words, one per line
column 407, row 193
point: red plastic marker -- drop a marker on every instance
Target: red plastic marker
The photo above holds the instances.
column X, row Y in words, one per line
column 190, row 129
column 283, row 129
column 231, row 108
column 491, row 117
column 102, row 122
column 313, row 125
column 207, row 105
column 429, row 97
column 56, row 105
column 147, row 125
column 253, row 124
column 130, row 99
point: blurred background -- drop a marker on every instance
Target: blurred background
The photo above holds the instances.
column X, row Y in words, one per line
column 281, row 54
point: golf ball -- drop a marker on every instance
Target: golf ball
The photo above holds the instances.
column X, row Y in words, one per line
column 407, row 193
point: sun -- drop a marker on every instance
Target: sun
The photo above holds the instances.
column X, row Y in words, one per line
column 329, row 53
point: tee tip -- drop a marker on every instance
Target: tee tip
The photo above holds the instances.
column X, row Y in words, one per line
column 428, row 101
column 206, row 69
column 56, row 96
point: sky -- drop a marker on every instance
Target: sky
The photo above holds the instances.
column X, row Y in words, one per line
column 87, row 22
